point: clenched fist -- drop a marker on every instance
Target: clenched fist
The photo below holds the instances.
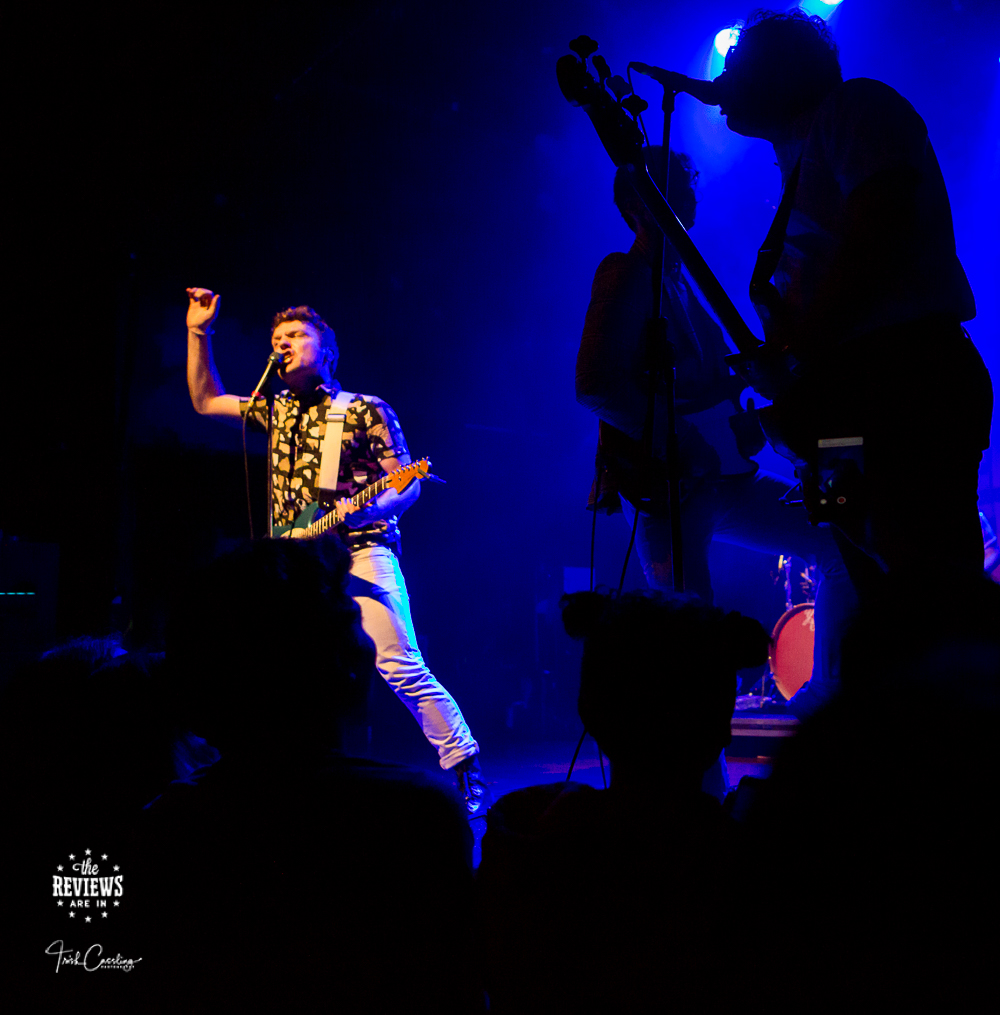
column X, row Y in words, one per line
column 203, row 308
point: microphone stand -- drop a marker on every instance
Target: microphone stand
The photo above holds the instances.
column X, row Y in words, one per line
column 661, row 378
column 273, row 360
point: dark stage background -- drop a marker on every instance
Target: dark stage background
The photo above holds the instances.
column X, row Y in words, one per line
column 411, row 170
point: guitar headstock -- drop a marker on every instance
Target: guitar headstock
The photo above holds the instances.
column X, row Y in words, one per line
column 420, row 469
column 402, row 477
column 608, row 99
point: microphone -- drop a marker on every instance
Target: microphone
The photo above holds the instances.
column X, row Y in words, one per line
column 274, row 360
column 703, row 91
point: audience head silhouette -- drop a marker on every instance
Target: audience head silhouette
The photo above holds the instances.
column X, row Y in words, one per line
column 267, row 647
column 89, row 708
column 658, row 677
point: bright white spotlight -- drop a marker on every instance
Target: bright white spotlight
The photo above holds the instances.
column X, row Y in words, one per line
column 726, row 39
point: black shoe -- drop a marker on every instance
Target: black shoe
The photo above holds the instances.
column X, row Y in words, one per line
column 473, row 787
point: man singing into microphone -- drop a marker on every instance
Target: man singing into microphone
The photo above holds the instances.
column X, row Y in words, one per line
column 863, row 299
column 372, row 445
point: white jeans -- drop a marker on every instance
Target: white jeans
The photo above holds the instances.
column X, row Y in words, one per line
column 385, row 616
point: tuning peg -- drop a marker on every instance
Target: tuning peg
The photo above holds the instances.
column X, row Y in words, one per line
column 602, row 68
column 634, row 105
column 619, row 86
column 583, row 46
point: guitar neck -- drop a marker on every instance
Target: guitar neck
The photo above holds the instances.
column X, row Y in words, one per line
column 711, row 288
column 329, row 521
column 370, row 492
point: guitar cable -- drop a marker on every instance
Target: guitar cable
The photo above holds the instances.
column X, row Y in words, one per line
column 628, row 552
column 576, row 754
column 593, row 547
column 593, row 520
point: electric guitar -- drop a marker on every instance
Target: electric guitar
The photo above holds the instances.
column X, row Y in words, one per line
column 308, row 526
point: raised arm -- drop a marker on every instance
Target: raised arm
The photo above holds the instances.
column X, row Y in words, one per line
column 207, row 394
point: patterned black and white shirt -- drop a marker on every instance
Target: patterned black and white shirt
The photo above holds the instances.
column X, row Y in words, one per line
column 371, row 435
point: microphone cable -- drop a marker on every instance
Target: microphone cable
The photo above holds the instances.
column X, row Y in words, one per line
column 272, row 361
column 246, row 467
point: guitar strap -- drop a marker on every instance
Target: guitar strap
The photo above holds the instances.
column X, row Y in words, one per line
column 329, row 454
column 764, row 293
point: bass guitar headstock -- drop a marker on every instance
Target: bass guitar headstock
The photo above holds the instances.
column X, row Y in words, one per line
column 615, row 110
column 608, row 99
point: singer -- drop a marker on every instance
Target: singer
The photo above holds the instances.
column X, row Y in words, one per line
column 863, row 298
column 305, row 353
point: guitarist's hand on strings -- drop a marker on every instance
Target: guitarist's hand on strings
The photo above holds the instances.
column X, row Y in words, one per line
column 389, row 503
column 354, row 517
column 203, row 308
column 385, row 505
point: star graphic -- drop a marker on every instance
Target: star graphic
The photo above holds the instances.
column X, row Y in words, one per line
column 104, row 856
column 72, row 913
column 72, row 856
column 59, row 867
column 86, row 919
column 117, row 903
column 87, row 851
column 115, row 867
column 105, row 914
column 59, row 902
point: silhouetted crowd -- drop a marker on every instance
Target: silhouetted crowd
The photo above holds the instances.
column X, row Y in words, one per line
column 265, row 869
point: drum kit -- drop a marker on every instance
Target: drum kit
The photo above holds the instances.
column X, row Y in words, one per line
column 790, row 657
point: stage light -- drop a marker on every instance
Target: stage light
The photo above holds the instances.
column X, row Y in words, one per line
column 726, row 39
column 824, row 8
